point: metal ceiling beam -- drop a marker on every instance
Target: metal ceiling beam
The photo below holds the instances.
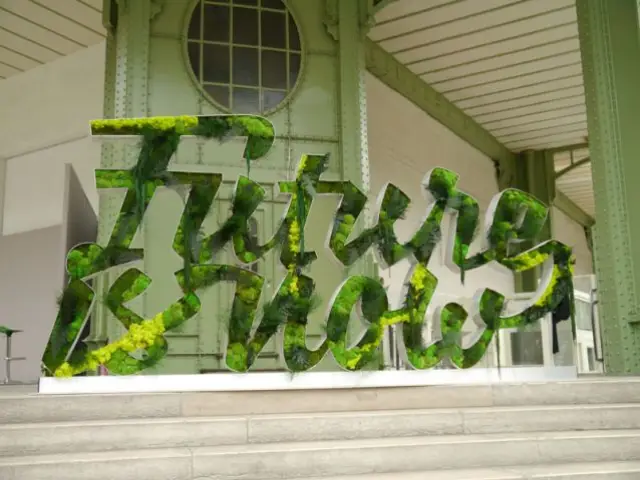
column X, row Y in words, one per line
column 572, row 210
column 573, row 166
column 568, row 148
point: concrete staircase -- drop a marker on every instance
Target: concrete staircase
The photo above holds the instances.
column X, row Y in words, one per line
column 584, row 430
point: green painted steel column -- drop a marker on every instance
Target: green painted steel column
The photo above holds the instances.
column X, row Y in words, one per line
column 533, row 172
column 609, row 38
column 125, row 95
column 353, row 22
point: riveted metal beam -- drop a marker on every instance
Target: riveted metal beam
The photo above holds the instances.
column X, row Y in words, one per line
column 572, row 167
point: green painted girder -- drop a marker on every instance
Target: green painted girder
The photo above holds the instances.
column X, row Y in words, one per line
column 572, row 167
column 572, row 210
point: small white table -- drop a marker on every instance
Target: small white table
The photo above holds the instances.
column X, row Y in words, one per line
column 8, row 359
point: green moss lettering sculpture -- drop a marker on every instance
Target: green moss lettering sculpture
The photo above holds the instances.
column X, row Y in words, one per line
column 513, row 217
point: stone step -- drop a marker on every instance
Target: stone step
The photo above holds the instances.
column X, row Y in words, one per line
column 324, row 459
column 88, row 436
column 46, row 408
column 571, row 471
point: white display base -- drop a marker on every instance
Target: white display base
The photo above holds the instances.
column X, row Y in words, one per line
column 235, row 382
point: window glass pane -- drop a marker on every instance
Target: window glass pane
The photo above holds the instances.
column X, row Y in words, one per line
column 273, row 29
column 216, row 23
column 237, row 52
column 271, row 99
column 193, row 49
column 219, row 93
column 274, row 69
column 194, row 24
column 245, row 100
column 245, row 66
column 215, row 63
column 294, row 37
column 245, row 26
column 294, row 68
column 275, row 4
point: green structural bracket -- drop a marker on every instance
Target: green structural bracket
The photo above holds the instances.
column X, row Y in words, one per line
column 572, row 210
column 514, row 217
column 380, row 4
column 109, row 14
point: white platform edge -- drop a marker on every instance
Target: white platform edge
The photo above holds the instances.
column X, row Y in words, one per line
column 264, row 381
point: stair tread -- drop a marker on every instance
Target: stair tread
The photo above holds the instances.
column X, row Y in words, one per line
column 301, row 416
column 498, row 473
column 359, row 444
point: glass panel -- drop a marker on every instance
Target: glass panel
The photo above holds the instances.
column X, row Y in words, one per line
column 273, row 29
column 245, row 100
column 215, row 63
column 526, row 348
column 193, row 49
column 294, row 36
column 245, row 26
column 591, row 359
column 271, row 99
column 216, row 23
column 194, row 24
column 294, row 68
column 564, row 358
column 583, row 315
column 245, row 66
column 274, row 69
column 275, row 4
column 219, row 93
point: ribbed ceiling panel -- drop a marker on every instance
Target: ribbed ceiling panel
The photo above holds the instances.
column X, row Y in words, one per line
column 34, row 32
column 513, row 65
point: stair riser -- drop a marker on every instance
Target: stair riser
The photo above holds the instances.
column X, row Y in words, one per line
column 47, row 440
column 78, row 408
column 397, row 459
column 589, row 476
column 327, row 462
column 44, row 439
column 455, row 475
column 314, row 428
